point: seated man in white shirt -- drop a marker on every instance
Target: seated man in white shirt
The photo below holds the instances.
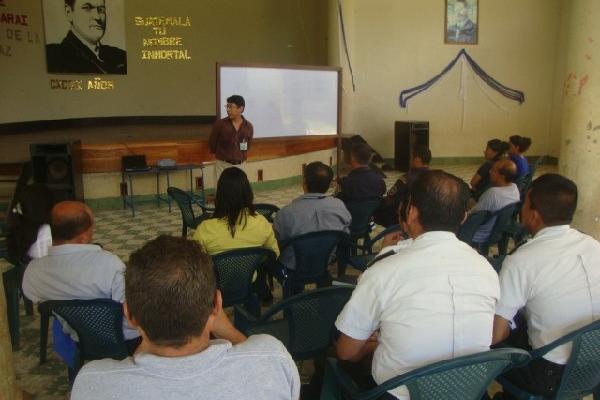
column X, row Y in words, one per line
column 433, row 300
column 502, row 193
column 555, row 277
column 74, row 268
column 172, row 299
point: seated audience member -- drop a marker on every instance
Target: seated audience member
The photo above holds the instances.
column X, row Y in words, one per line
column 190, row 349
column 432, row 301
column 555, row 277
column 502, row 193
column 234, row 223
column 74, row 268
column 313, row 211
column 362, row 183
column 494, row 151
column 387, row 213
column 28, row 224
column 517, row 146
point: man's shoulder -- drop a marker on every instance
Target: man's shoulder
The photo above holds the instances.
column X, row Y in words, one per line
column 113, row 51
column 259, row 346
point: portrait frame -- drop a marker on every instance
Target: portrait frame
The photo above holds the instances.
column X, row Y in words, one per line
column 73, row 58
column 461, row 22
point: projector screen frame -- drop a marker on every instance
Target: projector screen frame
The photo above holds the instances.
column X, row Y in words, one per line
column 292, row 67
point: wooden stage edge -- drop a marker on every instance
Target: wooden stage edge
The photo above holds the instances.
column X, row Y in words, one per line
column 97, row 158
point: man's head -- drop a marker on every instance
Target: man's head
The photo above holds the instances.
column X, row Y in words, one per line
column 71, row 222
column 317, row 177
column 360, row 155
column 235, row 106
column 421, row 156
column 461, row 11
column 503, row 172
column 171, row 291
column 87, row 18
column 551, row 201
column 438, row 202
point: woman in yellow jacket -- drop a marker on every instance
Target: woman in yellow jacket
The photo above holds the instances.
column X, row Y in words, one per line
column 235, row 224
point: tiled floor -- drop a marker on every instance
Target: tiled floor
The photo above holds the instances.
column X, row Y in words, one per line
column 118, row 232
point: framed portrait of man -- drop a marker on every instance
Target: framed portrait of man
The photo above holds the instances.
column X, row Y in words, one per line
column 85, row 36
column 462, row 22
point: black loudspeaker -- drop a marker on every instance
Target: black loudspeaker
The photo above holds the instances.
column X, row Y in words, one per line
column 407, row 134
column 58, row 166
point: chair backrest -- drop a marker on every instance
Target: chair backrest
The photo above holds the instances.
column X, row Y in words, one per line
column 469, row 227
column 184, row 201
column 582, row 372
column 312, row 251
column 465, row 378
column 309, row 320
column 98, row 323
column 235, row 269
column 503, row 218
column 523, row 183
column 266, row 210
column 361, row 212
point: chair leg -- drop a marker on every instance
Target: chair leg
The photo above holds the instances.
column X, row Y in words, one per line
column 12, row 307
column 184, row 231
column 28, row 305
column 44, row 325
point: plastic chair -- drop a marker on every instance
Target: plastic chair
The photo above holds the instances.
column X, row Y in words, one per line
column 312, row 252
column 581, row 376
column 362, row 261
column 184, row 200
column 266, row 210
column 469, row 227
column 362, row 214
column 464, row 378
column 235, row 271
column 307, row 326
column 99, row 326
column 503, row 219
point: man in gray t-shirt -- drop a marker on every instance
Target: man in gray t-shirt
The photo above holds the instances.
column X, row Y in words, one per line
column 172, row 299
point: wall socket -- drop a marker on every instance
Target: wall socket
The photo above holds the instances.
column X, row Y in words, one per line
column 260, row 175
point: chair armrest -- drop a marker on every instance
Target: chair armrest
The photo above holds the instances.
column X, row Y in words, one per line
column 243, row 320
column 386, row 231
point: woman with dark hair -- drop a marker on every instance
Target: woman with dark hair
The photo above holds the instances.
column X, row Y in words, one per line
column 518, row 146
column 494, row 151
column 28, row 231
column 234, row 223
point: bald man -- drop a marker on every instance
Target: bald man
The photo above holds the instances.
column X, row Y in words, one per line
column 502, row 193
column 74, row 268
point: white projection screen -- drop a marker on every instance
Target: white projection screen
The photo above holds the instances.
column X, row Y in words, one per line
column 283, row 101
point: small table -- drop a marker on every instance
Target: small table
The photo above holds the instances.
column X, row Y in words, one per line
column 128, row 198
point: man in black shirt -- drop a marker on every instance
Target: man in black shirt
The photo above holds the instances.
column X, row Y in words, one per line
column 362, row 183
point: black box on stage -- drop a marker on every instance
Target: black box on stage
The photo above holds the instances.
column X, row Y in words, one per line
column 58, row 166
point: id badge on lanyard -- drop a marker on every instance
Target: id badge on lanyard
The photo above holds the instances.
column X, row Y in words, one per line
column 244, row 145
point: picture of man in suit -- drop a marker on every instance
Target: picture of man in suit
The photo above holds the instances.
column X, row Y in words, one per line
column 81, row 50
column 461, row 22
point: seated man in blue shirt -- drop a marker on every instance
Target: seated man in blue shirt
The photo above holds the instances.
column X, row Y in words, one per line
column 362, row 183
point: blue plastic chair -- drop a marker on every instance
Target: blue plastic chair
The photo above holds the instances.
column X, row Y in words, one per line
column 581, row 376
column 362, row 214
column 235, row 272
column 266, row 210
column 464, row 378
column 363, row 260
column 99, row 326
column 472, row 223
column 312, row 252
column 503, row 219
column 185, row 201
column 307, row 326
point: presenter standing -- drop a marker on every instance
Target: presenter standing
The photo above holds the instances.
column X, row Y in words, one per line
column 230, row 137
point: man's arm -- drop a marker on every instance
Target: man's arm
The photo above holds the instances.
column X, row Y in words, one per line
column 501, row 329
column 224, row 329
column 354, row 350
column 214, row 137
